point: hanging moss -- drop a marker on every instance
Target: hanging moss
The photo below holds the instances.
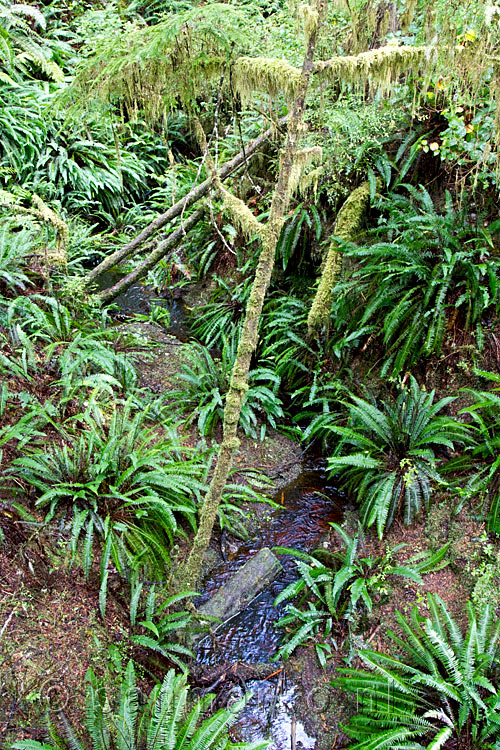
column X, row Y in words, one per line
column 61, row 228
column 347, row 226
column 268, row 74
column 408, row 15
column 153, row 69
column 310, row 19
column 310, row 181
column 382, row 66
column 303, row 159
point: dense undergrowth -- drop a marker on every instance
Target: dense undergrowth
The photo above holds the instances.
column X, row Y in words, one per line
column 398, row 388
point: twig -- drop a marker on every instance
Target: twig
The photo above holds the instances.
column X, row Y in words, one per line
column 370, row 639
column 275, row 698
column 6, row 623
column 273, row 674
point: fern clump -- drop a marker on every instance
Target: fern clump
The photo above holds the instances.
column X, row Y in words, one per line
column 343, row 585
column 203, row 381
column 387, row 455
column 167, row 719
column 13, row 250
column 481, row 461
column 122, row 487
column 440, row 691
column 429, row 273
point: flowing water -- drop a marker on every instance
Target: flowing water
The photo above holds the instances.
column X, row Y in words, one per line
column 306, row 508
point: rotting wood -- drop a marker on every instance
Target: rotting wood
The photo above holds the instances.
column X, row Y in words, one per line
column 235, row 595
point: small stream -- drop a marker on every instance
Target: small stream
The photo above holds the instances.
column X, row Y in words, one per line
column 139, row 298
column 306, row 508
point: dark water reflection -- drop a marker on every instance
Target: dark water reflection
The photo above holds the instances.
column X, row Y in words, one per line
column 138, row 299
column 307, row 506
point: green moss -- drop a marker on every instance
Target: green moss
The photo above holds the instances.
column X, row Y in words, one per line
column 268, row 74
column 381, row 66
column 39, row 210
column 303, row 159
column 241, row 215
column 347, row 226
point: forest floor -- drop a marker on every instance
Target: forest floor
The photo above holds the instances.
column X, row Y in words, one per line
column 51, row 630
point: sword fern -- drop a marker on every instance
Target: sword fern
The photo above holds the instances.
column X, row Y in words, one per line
column 439, row 691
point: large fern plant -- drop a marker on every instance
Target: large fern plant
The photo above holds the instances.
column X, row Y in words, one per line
column 437, row 688
column 203, row 382
column 387, row 454
column 166, row 720
column 121, row 488
column 477, row 470
column 426, row 272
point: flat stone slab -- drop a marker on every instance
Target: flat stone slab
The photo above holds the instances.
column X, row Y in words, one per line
column 235, row 595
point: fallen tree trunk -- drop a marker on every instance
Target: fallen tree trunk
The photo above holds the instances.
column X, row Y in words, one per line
column 152, row 259
column 235, row 595
column 193, row 196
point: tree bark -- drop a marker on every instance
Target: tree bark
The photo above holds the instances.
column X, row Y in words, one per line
column 249, row 335
column 152, row 259
column 194, row 195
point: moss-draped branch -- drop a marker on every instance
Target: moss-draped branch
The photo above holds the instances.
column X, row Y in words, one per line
column 268, row 74
column 382, row 66
column 347, row 226
column 249, row 333
column 243, row 218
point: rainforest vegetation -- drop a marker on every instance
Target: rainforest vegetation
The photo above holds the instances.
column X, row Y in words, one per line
column 249, row 344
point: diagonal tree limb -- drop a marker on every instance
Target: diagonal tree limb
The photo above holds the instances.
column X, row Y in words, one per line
column 189, row 574
column 193, row 196
column 152, row 259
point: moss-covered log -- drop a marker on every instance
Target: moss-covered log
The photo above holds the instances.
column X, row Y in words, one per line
column 235, row 595
column 347, row 226
column 154, row 256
